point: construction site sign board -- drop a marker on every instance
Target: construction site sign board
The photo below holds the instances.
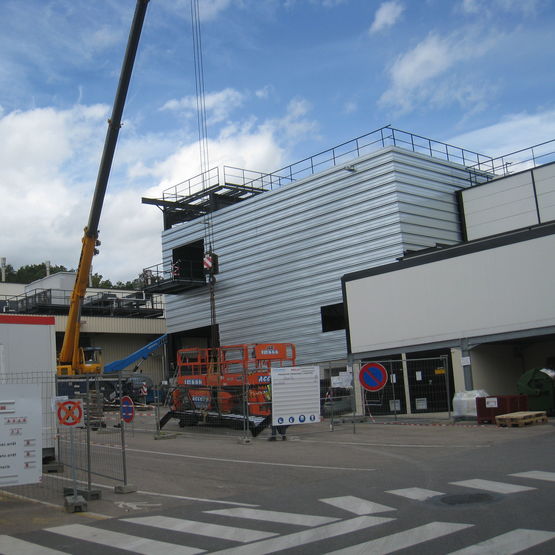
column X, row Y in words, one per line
column 295, row 395
column 20, row 434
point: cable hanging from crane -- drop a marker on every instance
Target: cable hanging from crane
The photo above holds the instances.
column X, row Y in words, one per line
column 204, row 157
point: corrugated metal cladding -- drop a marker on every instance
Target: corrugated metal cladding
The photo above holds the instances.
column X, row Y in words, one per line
column 282, row 253
column 99, row 324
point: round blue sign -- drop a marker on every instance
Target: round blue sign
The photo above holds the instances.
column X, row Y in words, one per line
column 302, row 418
column 291, row 419
column 127, row 409
column 373, row 376
column 280, row 420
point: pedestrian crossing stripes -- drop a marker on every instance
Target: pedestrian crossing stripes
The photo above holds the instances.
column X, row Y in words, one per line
column 201, row 529
column 418, row 494
column 356, row 505
column 14, row 546
column 402, row 540
column 274, row 516
column 306, row 536
column 515, row 541
column 494, row 487
column 187, row 537
column 536, row 475
column 135, row 544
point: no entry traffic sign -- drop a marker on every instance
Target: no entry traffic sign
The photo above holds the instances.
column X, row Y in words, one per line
column 372, row 376
column 70, row 413
column 127, row 409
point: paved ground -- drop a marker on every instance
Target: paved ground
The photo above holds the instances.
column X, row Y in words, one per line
column 223, row 468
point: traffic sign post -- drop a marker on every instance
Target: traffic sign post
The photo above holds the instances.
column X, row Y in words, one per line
column 70, row 413
column 127, row 409
column 373, row 376
column 127, row 413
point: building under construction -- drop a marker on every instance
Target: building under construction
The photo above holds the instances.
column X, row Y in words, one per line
column 284, row 240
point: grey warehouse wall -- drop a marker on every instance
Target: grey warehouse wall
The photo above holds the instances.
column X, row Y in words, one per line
column 282, row 253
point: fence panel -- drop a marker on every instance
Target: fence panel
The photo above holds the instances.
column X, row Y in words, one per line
column 424, row 388
column 95, row 453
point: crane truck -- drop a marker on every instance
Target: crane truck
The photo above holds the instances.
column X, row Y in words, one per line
column 73, row 359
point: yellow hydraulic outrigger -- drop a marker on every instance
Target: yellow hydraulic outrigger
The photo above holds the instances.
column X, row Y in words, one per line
column 73, row 359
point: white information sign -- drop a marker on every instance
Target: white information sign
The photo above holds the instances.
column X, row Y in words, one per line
column 20, row 434
column 345, row 379
column 295, row 395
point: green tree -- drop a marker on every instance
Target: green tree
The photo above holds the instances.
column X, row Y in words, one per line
column 30, row 272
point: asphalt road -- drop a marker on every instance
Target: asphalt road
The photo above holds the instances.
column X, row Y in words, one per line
column 384, row 488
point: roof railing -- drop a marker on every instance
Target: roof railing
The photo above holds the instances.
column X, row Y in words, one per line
column 520, row 160
column 480, row 166
column 363, row 145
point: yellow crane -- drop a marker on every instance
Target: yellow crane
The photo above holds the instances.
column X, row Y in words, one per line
column 74, row 359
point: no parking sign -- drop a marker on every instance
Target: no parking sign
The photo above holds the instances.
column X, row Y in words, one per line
column 127, row 409
column 372, row 376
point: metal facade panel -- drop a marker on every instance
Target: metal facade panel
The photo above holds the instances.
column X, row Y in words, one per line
column 282, row 253
column 544, row 179
column 99, row 324
column 499, row 206
column 496, row 290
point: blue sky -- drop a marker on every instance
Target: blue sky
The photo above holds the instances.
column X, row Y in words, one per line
column 284, row 79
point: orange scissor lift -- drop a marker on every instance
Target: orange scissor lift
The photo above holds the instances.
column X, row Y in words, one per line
column 227, row 386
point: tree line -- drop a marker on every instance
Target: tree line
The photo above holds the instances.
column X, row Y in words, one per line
column 31, row 272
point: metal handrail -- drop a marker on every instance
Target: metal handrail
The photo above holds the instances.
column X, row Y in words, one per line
column 520, row 160
column 365, row 144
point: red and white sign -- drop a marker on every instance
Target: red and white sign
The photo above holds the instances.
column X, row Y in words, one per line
column 207, row 261
column 373, row 376
column 70, row 413
column 144, row 390
column 127, row 409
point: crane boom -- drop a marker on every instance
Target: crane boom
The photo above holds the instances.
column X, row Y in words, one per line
column 71, row 360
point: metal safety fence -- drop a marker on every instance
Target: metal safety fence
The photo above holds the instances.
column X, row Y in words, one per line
column 412, row 387
column 81, row 456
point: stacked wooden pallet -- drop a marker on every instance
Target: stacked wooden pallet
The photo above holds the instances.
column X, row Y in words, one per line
column 523, row 418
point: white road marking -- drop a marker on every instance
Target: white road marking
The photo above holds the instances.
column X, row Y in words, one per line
column 418, row 494
column 306, row 536
column 536, row 475
column 243, row 461
column 402, row 540
column 509, row 543
column 202, row 528
column 14, row 546
column 122, row 541
column 488, row 485
column 274, row 516
column 356, row 505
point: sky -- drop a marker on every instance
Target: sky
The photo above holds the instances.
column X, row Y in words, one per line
column 283, row 80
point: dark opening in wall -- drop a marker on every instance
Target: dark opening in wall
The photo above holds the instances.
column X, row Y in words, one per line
column 333, row 317
column 187, row 261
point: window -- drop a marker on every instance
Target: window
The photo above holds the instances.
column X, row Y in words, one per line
column 187, row 261
column 333, row 317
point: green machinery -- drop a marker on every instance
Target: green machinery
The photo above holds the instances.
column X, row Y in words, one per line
column 539, row 385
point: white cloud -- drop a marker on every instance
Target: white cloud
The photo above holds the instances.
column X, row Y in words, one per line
column 48, row 165
column 415, row 75
column 386, row 16
column 513, row 132
column 218, row 105
column 492, row 8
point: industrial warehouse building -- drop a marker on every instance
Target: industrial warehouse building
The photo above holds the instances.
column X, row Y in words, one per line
column 118, row 321
column 285, row 240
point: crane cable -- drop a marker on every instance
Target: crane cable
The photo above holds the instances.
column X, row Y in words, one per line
column 204, row 155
